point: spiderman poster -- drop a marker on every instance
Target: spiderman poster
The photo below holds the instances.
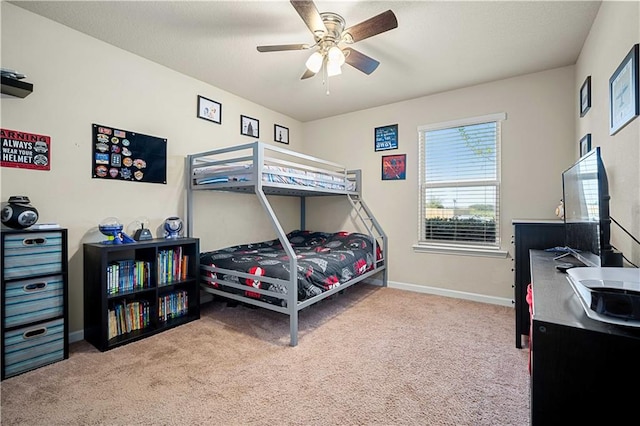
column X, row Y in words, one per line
column 394, row 167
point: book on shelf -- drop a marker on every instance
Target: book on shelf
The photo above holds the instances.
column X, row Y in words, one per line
column 184, row 267
column 172, row 265
column 113, row 328
column 173, row 305
column 128, row 275
column 125, row 317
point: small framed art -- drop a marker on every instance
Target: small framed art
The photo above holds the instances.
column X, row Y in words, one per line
column 585, row 144
column 209, row 110
column 280, row 134
column 386, row 137
column 249, row 126
column 585, row 96
column 624, row 93
column 394, row 167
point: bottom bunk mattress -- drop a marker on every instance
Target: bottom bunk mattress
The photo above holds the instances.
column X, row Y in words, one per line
column 325, row 261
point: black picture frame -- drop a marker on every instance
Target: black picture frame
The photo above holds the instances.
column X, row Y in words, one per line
column 281, row 134
column 394, row 167
column 585, row 96
column 249, row 126
column 624, row 92
column 585, row 144
column 385, row 137
column 209, row 110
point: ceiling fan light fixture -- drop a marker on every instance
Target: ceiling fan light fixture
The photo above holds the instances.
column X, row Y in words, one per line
column 336, row 55
column 314, row 63
column 333, row 68
column 329, row 32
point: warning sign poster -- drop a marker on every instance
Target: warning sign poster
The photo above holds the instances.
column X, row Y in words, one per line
column 25, row 150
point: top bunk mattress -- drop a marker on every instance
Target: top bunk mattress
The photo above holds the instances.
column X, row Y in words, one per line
column 279, row 171
column 272, row 174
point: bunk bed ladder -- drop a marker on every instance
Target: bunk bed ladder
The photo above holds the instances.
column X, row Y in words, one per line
column 292, row 292
column 189, row 191
column 373, row 229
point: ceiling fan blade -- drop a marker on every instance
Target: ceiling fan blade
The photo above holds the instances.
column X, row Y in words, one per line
column 378, row 24
column 307, row 74
column 281, row 47
column 360, row 61
column 310, row 15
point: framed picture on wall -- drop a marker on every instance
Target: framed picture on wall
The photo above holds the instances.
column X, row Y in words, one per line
column 209, row 110
column 624, row 93
column 249, row 126
column 280, row 134
column 585, row 96
column 585, row 144
column 394, row 167
column 386, row 137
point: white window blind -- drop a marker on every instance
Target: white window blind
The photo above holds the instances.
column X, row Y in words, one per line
column 460, row 182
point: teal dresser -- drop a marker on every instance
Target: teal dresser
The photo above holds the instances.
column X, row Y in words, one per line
column 34, row 299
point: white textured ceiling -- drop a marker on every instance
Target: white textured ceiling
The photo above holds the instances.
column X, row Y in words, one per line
column 438, row 45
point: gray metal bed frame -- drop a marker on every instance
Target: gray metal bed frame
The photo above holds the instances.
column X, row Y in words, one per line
column 257, row 157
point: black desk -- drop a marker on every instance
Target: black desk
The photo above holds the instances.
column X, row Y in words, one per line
column 582, row 369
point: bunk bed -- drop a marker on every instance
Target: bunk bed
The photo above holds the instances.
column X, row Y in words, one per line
column 259, row 273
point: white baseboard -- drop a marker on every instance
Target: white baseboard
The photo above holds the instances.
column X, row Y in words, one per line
column 443, row 292
column 451, row 293
column 76, row 336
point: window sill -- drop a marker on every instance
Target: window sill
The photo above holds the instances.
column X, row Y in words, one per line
column 460, row 250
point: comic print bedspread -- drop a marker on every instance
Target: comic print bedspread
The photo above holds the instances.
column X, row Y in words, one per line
column 325, row 260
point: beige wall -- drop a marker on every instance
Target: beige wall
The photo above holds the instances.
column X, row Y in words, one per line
column 539, row 140
column 615, row 30
column 537, row 145
column 79, row 81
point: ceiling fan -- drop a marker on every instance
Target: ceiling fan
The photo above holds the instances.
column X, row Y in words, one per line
column 331, row 36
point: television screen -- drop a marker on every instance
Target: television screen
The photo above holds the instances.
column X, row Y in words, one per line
column 586, row 211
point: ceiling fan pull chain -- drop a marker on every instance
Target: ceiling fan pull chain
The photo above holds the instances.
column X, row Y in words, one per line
column 325, row 77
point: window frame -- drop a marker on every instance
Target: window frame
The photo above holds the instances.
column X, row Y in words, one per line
column 459, row 247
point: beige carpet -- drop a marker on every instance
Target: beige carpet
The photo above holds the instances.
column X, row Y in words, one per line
column 370, row 356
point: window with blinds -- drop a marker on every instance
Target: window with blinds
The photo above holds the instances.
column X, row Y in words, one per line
column 460, row 182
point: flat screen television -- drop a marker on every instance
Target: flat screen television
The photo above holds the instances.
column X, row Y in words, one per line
column 585, row 190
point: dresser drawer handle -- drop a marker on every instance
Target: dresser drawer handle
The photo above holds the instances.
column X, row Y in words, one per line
column 30, row 334
column 34, row 241
column 34, row 287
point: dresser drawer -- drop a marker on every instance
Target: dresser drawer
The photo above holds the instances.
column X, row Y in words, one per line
column 33, row 300
column 32, row 253
column 33, row 346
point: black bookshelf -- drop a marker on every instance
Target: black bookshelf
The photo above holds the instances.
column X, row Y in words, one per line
column 135, row 290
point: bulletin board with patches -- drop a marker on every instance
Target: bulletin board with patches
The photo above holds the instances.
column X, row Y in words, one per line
column 124, row 155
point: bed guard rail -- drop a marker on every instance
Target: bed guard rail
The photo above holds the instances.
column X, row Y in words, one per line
column 243, row 167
